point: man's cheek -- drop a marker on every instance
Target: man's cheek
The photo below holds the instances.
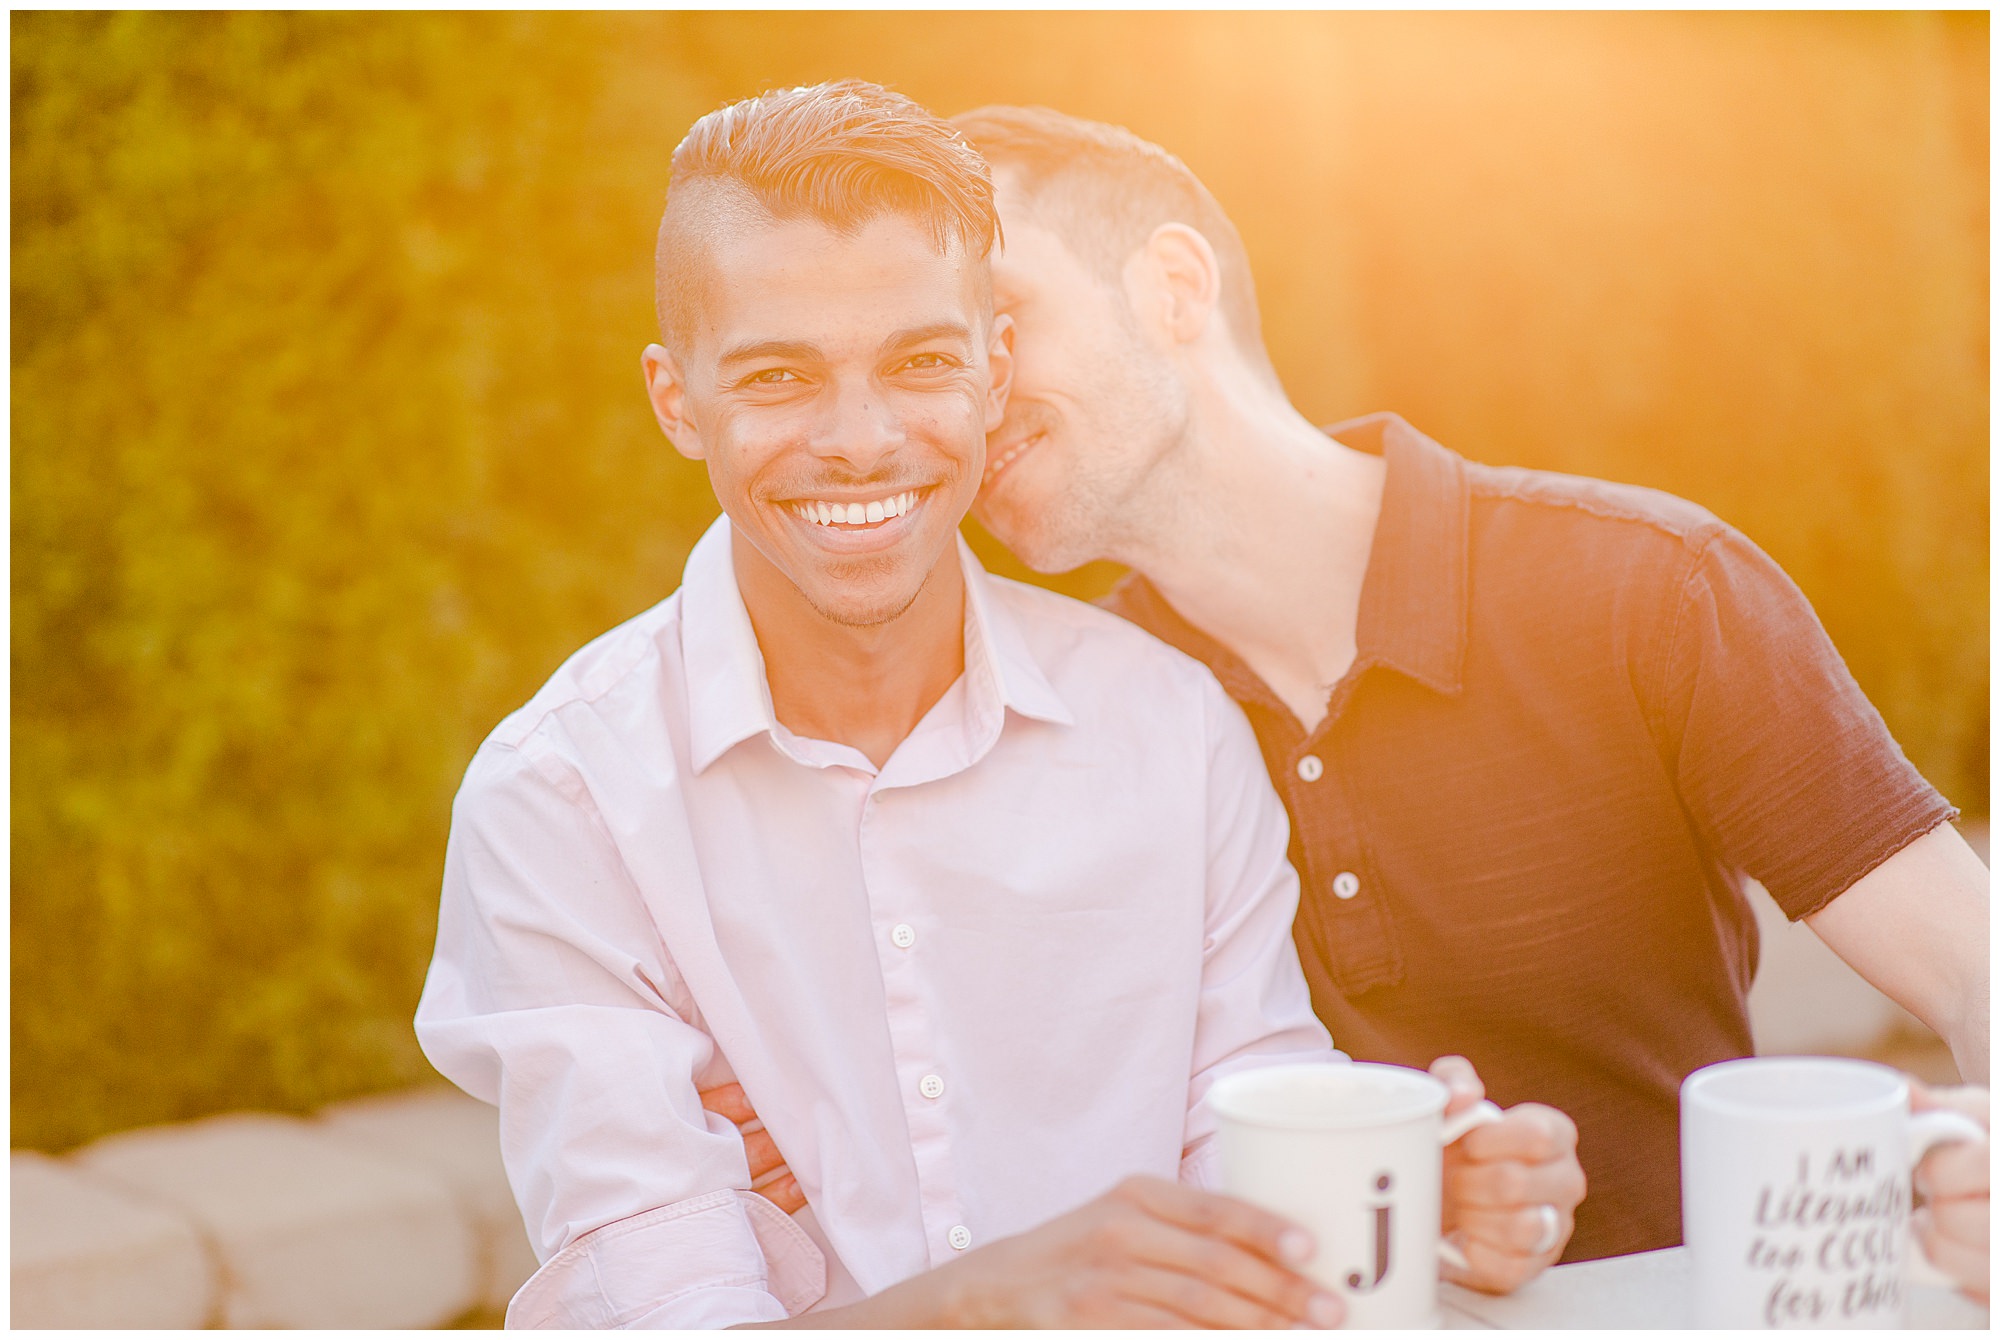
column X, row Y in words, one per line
column 976, row 407
column 762, row 431
column 939, row 417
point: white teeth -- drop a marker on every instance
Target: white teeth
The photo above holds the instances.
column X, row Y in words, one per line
column 994, row 467
column 856, row 514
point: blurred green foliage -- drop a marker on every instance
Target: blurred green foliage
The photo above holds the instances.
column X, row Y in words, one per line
column 327, row 447
column 329, row 442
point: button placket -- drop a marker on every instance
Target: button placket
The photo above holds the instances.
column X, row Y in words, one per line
column 1349, row 921
column 914, row 1045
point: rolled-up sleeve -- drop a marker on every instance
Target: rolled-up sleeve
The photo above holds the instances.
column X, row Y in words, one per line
column 551, row 995
column 1255, row 1009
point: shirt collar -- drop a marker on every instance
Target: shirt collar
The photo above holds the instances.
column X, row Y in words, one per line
column 1414, row 609
column 729, row 693
column 996, row 648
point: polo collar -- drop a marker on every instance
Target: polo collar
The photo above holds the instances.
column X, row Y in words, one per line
column 1414, row 596
column 729, row 691
column 1413, row 614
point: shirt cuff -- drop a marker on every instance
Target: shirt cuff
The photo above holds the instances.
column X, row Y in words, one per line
column 715, row 1260
column 1201, row 1166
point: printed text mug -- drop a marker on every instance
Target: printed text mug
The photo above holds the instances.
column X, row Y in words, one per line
column 1353, row 1154
column 1795, row 1190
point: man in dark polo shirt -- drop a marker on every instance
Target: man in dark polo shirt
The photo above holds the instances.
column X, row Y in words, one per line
column 1532, row 730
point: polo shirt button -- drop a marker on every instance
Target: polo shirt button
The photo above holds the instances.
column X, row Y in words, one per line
column 931, row 1086
column 1310, row 768
column 960, row 1238
column 1346, row 884
column 903, row 937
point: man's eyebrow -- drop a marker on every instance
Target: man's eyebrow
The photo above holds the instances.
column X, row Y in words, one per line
column 936, row 330
column 795, row 351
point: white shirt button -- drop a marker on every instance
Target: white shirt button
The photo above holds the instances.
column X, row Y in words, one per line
column 902, row 937
column 960, row 1238
column 1346, row 884
column 1310, row 768
column 931, row 1086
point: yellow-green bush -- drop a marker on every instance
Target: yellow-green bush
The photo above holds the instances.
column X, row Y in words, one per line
column 326, row 446
column 328, row 441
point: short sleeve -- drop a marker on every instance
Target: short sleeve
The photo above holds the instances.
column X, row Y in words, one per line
column 1780, row 759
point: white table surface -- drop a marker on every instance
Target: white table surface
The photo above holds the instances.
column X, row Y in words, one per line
column 1645, row 1291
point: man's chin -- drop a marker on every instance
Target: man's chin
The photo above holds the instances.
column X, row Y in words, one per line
column 1037, row 549
column 852, row 611
column 865, row 605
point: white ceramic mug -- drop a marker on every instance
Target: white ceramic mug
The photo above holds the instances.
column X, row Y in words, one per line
column 1795, row 1190
column 1353, row 1154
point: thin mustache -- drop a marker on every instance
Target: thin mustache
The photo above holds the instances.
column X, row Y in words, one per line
column 820, row 488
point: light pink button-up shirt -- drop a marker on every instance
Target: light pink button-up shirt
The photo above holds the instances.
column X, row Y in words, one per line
column 966, row 992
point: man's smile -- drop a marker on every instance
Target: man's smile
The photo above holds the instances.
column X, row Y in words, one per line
column 856, row 523
column 849, row 512
column 1006, row 456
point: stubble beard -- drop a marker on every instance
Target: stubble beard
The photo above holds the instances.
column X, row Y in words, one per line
column 872, row 618
column 1110, row 507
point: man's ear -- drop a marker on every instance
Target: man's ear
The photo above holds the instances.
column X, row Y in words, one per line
column 1000, row 364
column 666, row 387
column 1179, row 280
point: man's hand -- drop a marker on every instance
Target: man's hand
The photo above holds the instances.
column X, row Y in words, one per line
column 767, row 1165
column 1498, row 1177
column 1149, row 1253
column 1954, row 1226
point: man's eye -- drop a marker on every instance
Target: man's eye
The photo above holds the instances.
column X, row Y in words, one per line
column 926, row 362
column 771, row 377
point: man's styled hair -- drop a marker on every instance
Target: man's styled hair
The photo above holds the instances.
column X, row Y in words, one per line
column 842, row 153
column 1104, row 190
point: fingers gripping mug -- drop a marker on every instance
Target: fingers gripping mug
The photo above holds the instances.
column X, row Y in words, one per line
column 1795, row 1190
column 1354, row 1154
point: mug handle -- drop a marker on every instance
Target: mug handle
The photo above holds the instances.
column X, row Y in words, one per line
column 1927, row 1131
column 1485, row 1112
column 1482, row 1113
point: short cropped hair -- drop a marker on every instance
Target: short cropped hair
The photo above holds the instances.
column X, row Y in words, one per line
column 1104, row 190
column 842, row 153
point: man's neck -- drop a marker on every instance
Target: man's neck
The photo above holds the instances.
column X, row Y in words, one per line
column 865, row 687
column 1260, row 538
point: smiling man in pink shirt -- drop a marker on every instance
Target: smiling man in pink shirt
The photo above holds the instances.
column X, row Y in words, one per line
column 973, row 889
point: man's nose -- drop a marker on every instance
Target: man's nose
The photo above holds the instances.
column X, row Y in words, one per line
column 856, row 425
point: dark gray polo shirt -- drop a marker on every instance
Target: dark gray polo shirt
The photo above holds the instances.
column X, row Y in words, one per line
column 1579, row 713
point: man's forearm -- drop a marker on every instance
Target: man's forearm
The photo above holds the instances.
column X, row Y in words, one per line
column 1970, row 1036
column 1916, row 927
